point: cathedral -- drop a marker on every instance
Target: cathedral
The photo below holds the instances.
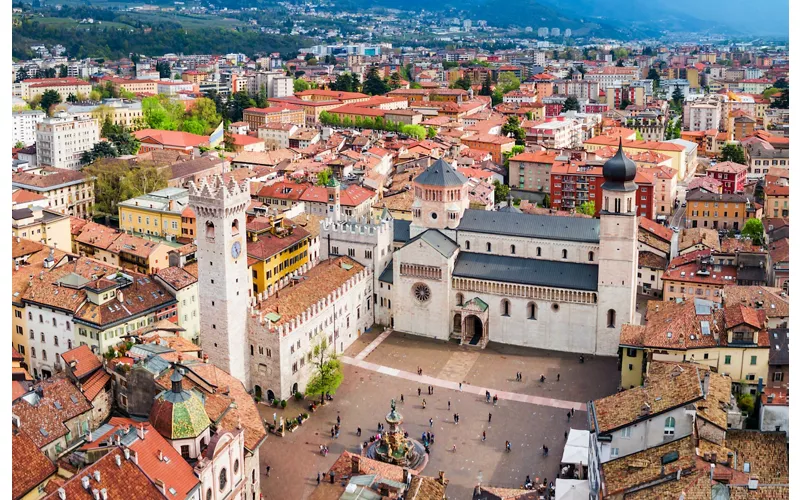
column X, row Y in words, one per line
column 561, row 283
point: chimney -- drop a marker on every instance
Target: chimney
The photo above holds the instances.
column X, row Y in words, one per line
column 104, row 494
column 441, row 476
column 355, row 464
column 332, row 477
column 160, row 456
column 140, row 431
column 118, row 459
column 89, row 437
column 85, row 482
column 97, row 476
column 752, row 484
column 62, row 494
column 127, row 452
column 96, row 494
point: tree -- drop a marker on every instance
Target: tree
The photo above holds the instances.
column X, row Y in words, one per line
column 501, row 191
column 238, row 103
column 141, row 180
column 300, row 85
column 124, row 142
column 50, row 98
column 416, row 131
column 62, row 71
column 734, row 153
column 507, row 81
column 653, row 75
column 512, row 126
column 19, row 145
column 546, row 201
column 430, row 132
column 163, row 69
column 102, row 149
column 624, row 103
column 571, row 104
column 677, row 98
column 228, row 142
column 782, row 101
column 328, row 374
column 587, row 207
column 374, row 84
column 754, row 230
column 781, row 83
column 639, row 136
column 345, row 82
column 95, row 95
column 161, row 113
column 324, row 177
column 486, row 87
column 394, row 80
column 22, row 74
column 462, row 83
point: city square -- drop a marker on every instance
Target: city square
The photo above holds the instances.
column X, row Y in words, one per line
column 530, row 414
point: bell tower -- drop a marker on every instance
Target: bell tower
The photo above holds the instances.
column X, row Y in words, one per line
column 222, row 272
column 441, row 196
column 619, row 253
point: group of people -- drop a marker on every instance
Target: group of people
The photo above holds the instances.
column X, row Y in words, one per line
column 542, row 487
column 491, row 398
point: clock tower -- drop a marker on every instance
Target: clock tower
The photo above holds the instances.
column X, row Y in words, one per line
column 222, row 272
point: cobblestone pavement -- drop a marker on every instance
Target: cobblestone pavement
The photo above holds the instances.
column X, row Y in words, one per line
column 364, row 397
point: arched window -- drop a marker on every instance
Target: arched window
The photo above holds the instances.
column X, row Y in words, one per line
column 505, row 307
column 669, row 426
column 630, row 209
column 466, row 245
column 532, row 310
column 210, row 231
column 513, row 249
column 54, row 322
column 606, row 204
column 591, row 256
column 44, row 355
column 488, row 247
column 617, row 205
column 459, row 299
column 33, row 352
column 235, row 227
column 564, row 253
column 611, row 318
column 41, row 319
column 538, row 251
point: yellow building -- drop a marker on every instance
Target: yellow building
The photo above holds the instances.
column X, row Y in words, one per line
column 158, row 213
column 42, row 225
column 276, row 247
column 732, row 340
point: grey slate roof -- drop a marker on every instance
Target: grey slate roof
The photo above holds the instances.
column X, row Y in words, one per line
column 437, row 240
column 441, row 174
column 778, row 346
column 569, row 275
column 548, row 227
column 402, row 230
column 387, row 276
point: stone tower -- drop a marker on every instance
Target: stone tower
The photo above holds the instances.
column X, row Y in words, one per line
column 440, row 198
column 619, row 254
column 334, row 190
column 222, row 272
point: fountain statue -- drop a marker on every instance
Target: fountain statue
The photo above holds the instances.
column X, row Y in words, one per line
column 395, row 448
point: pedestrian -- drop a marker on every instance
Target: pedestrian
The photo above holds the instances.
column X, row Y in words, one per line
column 566, row 433
column 484, row 436
column 490, row 418
column 424, row 404
column 455, row 418
column 419, row 392
column 338, row 420
column 336, row 427
column 433, row 438
column 569, row 415
column 459, row 386
column 333, row 431
column 448, row 405
column 541, row 379
column 361, row 447
column 573, row 412
column 331, row 474
column 268, row 469
column 487, row 396
column 337, row 435
column 544, row 447
column 454, row 448
column 580, row 358
column 358, row 432
column 401, row 398
column 321, row 451
column 495, row 399
column 431, row 390
column 558, row 378
column 508, row 446
column 318, row 478
column 430, row 421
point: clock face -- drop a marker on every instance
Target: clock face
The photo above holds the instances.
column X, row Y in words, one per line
column 236, row 249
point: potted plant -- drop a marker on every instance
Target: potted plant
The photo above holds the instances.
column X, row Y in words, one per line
column 298, row 395
column 283, row 403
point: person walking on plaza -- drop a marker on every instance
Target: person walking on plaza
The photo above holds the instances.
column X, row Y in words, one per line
column 459, row 386
column 338, row 420
column 424, row 404
column 419, row 392
column 569, row 415
column 318, row 478
column 454, row 448
column 490, row 418
column 358, row 432
column 566, row 433
column 558, row 378
column 541, row 379
column 545, row 449
column 401, row 399
column 484, row 436
column 495, row 399
column 508, row 446
column 268, row 469
column 430, row 421
column 448, row 405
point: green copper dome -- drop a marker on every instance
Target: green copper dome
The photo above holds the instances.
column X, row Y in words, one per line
column 178, row 413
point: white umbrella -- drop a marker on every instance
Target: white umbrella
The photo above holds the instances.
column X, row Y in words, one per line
column 572, row 489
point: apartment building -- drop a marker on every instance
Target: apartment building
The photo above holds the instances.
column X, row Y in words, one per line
column 531, row 171
column 62, row 139
column 68, row 192
column 716, row 211
column 610, row 75
column 284, row 113
column 160, row 213
column 23, row 126
column 34, row 87
column 702, row 114
column 121, row 112
column 731, row 175
column 276, row 247
column 555, row 133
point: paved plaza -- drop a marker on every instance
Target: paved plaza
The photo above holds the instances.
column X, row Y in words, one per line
column 529, row 414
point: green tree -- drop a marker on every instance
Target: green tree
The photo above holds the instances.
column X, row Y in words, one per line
column 486, row 86
column 624, row 103
column 501, row 191
column 781, row 83
column 160, row 113
column 507, row 81
column 237, row 104
column 734, row 153
column 22, row 74
column 228, row 142
column 50, row 98
column 62, row 71
column 512, row 126
column 163, row 69
column 546, row 201
column 345, row 82
column 639, row 136
column 782, row 101
column 204, row 111
column 431, row 132
column 754, row 230
column 653, row 75
column 571, row 104
column 414, row 85
column 416, row 131
column 141, row 180
column 746, row 402
column 374, row 84
column 394, row 80
column 677, row 98
column 462, row 83
column 194, row 126
column 324, row 177
column 102, row 149
column 300, row 85
column 19, row 145
column 328, row 374
column 124, row 142
column 587, row 207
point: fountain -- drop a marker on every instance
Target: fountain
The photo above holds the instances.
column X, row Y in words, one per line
column 394, row 448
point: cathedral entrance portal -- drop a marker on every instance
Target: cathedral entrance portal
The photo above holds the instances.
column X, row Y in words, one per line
column 473, row 330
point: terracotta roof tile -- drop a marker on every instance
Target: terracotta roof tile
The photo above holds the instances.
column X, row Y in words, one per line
column 35, row 466
column 698, row 236
column 343, row 466
column 37, row 414
column 651, row 260
column 85, row 361
column 171, row 137
column 639, row 468
column 124, row 481
column 176, row 277
column 737, row 314
column 95, row 384
column 766, row 452
column 659, row 230
column 47, row 178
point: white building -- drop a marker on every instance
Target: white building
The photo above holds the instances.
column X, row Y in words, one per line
column 558, row 132
column 702, row 115
column 276, row 135
column 24, row 126
column 62, row 139
column 275, row 83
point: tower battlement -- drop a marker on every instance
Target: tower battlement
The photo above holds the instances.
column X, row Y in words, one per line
column 362, row 229
column 218, row 198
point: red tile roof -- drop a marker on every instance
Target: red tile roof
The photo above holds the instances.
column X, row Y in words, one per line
column 657, row 229
column 33, row 466
column 172, row 137
column 42, row 414
column 738, row 314
column 126, row 480
column 85, row 361
column 355, row 195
